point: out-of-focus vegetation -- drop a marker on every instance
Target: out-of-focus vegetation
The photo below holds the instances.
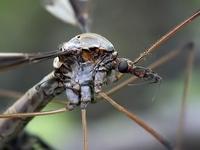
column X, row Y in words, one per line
column 131, row 26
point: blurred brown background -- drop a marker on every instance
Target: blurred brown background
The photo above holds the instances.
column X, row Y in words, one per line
column 131, row 26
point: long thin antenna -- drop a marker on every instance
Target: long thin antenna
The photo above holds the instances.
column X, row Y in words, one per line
column 85, row 130
column 180, row 130
column 167, row 36
column 20, row 115
column 137, row 120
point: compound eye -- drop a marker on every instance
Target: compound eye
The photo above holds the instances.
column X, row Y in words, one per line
column 123, row 67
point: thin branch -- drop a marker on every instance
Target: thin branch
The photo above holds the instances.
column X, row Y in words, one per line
column 137, row 120
column 85, row 130
column 188, row 75
column 167, row 36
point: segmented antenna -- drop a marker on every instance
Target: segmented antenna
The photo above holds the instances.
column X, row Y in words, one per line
column 74, row 12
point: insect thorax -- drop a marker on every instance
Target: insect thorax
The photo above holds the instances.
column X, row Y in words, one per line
column 90, row 62
column 92, row 68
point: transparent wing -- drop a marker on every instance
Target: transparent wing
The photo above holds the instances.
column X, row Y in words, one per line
column 10, row 60
column 61, row 9
column 69, row 11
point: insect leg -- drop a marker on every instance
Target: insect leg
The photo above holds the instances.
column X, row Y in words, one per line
column 32, row 114
column 137, row 120
column 73, row 98
column 85, row 130
column 124, row 65
column 86, row 95
column 180, row 129
column 167, row 36
column 99, row 80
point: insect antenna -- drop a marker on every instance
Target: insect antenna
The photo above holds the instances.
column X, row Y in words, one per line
column 137, row 120
column 188, row 75
column 85, row 130
column 167, row 36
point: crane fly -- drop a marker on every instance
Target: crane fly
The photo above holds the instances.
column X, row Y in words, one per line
column 82, row 66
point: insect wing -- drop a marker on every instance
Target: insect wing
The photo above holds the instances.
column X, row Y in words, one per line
column 10, row 60
column 74, row 12
column 62, row 9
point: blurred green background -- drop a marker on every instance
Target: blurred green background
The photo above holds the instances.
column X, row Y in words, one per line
column 131, row 26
